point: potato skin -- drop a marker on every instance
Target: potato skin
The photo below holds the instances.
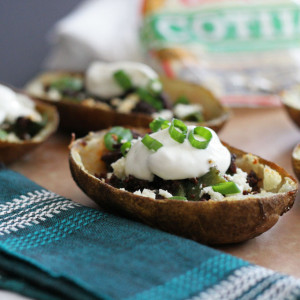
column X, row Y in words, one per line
column 208, row 222
column 293, row 113
column 12, row 151
column 82, row 118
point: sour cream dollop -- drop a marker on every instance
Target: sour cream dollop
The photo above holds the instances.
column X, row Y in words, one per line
column 100, row 80
column 14, row 105
column 175, row 161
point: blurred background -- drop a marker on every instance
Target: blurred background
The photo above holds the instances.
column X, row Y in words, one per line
column 24, row 36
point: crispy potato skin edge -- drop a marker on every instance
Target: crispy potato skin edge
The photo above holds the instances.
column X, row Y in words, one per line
column 12, row 151
column 210, row 222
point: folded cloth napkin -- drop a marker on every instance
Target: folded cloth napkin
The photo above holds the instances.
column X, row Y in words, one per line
column 53, row 248
column 96, row 30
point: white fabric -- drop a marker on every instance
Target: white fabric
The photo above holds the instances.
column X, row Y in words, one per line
column 106, row 30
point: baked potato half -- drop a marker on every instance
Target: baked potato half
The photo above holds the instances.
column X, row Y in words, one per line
column 296, row 160
column 91, row 115
column 12, row 146
column 230, row 220
column 290, row 99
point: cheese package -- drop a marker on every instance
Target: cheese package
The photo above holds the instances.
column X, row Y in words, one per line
column 244, row 51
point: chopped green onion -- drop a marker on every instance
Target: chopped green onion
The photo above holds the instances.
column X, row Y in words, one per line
column 159, row 123
column 67, row 83
column 182, row 100
column 123, row 80
column 155, row 86
column 115, row 136
column 3, row 134
column 178, row 198
column 201, row 132
column 110, row 139
column 175, row 134
column 226, row 188
column 147, row 97
column 122, row 133
column 151, row 143
column 125, row 148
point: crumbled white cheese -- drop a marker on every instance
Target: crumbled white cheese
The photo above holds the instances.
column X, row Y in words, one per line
column 128, row 104
column 240, row 179
column 287, row 185
column 165, row 114
column 115, row 101
column 213, row 195
column 108, row 175
column 54, row 95
column 272, row 179
column 165, row 193
column 145, row 193
column 183, row 110
column 119, row 168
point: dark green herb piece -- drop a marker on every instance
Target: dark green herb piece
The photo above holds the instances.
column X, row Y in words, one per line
column 178, row 198
column 123, row 79
column 212, row 177
column 150, row 99
column 182, row 100
column 67, row 83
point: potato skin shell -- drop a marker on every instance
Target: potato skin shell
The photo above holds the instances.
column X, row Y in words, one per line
column 12, row 151
column 82, row 118
column 208, row 222
column 293, row 113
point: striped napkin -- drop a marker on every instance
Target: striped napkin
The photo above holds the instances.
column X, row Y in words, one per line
column 53, row 248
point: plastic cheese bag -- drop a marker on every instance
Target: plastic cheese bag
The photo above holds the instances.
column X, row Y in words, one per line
column 245, row 51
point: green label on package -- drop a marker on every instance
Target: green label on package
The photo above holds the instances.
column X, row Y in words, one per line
column 226, row 29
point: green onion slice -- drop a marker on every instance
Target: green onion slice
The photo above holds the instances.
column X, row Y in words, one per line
column 159, row 123
column 123, row 80
column 151, row 143
column 122, row 133
column 178, row 198
column 125, row 148
column 110, row 139
column 182, row 100
column 147, row 97
column 178, row 136
column 67, row 83
column 226, row 188
column 201, row 132
column 115, row 136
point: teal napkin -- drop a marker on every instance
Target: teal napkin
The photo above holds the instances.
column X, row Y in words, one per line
column 53, row 248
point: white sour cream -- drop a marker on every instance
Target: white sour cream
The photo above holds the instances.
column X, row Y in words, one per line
column 174, row 160
column 14, row 105
column 100, row 81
